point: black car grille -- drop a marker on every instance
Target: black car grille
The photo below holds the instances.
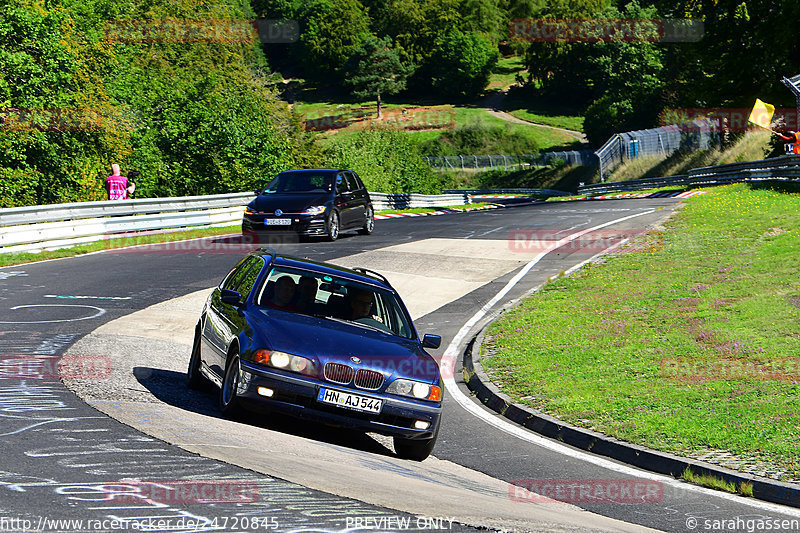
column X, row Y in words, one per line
column 368, row 379
column 338, row 373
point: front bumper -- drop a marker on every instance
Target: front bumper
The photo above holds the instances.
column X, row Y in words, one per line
column 311, row 225
column 296, row 395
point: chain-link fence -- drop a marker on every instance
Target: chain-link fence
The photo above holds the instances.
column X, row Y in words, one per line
column 699, row 134
column 511, row 162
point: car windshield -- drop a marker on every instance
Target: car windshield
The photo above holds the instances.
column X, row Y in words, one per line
column 334, row 298
column 300, row 182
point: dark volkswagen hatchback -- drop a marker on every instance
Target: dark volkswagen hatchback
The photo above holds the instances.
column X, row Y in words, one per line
column 321, row 343
column 315, row 202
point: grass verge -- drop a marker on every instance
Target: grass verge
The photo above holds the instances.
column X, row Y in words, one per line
column 684, row 341
column 9, row 259
column 716, row 483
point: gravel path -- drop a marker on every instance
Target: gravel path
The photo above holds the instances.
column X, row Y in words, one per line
column 494, row 103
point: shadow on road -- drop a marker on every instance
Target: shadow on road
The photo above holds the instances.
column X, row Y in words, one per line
column 170, row 387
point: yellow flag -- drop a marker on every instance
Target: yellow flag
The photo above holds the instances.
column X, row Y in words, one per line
column 761, row 115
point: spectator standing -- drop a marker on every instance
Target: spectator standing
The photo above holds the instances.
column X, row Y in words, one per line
column 116, row 184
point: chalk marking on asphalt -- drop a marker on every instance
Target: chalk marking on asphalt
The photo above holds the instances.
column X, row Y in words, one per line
column 100, row 312
column 448, row 371
column 63, row 297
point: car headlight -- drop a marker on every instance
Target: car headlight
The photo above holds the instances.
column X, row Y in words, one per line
column 249, row 211
column 314, row 210
column 285, row 361
column 415, row 389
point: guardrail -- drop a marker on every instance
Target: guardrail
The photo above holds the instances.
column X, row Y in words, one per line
column 49, row 227
column 777, row 168
column 406, row 201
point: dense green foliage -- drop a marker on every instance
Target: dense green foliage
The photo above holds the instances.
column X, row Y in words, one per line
column 451, row 43
column 193, row 117
column 385, row 159
column 745, row 49
column 479, row 139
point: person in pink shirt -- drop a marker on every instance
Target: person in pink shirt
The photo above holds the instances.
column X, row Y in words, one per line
column 117, row 185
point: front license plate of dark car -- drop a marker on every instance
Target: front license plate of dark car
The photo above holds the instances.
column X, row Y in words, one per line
column 350, row 401
column 278, row 221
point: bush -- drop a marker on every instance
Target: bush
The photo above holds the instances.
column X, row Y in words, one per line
column 477, row 138
column 17, row 187
column 386, row 160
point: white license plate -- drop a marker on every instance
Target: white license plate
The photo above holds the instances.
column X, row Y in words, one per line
column 350, row 401
column 278, row 222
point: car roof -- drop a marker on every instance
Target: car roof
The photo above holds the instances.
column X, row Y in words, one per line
column 360, row 275
column 298, row 170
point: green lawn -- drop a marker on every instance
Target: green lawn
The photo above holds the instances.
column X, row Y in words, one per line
column 686, row 341
column 525, row 105
column 452, row 116
column 505, row 72
column 546, row 139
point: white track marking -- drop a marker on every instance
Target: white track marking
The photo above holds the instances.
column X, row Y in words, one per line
column 100, row 312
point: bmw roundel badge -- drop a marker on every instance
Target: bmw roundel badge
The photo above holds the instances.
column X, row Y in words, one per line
column 356, row 360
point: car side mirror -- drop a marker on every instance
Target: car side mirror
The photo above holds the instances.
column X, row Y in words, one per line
column 258, row 191
column 431, row 341
column 231, row 297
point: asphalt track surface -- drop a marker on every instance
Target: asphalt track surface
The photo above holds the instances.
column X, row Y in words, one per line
column 65, row 460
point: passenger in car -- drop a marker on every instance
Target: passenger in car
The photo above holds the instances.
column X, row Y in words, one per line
column 306, row 296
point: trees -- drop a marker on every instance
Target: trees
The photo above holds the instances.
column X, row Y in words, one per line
column 195, row 118
column 461, row 63
column 376, row 70
column 330, row 32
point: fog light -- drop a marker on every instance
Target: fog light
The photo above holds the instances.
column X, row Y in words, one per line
column 421, row 424
column 263, row 391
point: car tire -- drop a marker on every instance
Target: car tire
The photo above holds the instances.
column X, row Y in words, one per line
column 415, row 450
column 333, row 226
column 194, row 379
column 228, row 401
column 369, row 223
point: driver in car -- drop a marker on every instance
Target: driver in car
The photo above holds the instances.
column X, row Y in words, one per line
column 360, row 301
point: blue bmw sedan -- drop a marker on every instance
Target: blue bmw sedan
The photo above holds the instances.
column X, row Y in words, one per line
column 321, row 343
